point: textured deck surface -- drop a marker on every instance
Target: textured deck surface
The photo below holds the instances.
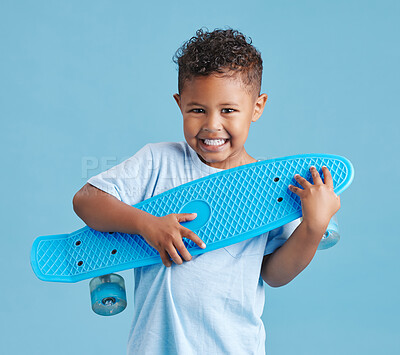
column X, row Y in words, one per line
column 232, row 205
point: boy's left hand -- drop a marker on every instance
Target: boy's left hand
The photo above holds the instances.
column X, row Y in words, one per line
column 318, row 201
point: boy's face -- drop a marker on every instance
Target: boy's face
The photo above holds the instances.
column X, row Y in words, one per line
column 219, row 107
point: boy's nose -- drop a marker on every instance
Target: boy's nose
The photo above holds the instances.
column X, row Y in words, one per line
column 212, row 124
column 212, row 130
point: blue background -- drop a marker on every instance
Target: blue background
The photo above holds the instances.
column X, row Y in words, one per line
column 85, row 84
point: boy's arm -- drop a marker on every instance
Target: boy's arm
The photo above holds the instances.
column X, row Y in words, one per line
column 285, row 263
column 105, row 213
column 319, row 204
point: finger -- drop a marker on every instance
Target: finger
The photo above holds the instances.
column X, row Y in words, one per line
column 192, row 236
column 295, row 190
column 183, row 217
column 303, row 182
column 315, row 175
column 182, row 249
column 327, row 177
column 165, row 258
column 174, row 255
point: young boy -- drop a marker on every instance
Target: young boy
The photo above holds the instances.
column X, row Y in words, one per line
column 210, row 303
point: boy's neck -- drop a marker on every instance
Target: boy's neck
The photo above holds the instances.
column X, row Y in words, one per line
column 245, row 159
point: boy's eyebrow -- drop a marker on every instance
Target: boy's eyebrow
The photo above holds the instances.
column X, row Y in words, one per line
column 226, row 104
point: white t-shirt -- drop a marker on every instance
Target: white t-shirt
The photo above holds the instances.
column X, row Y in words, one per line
column 209, row 305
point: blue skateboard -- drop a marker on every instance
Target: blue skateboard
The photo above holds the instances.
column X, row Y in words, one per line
column 232, row 205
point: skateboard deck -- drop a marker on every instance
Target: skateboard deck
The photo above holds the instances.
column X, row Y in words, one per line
column 232, row 205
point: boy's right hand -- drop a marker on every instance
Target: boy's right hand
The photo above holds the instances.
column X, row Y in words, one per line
column 165, row 235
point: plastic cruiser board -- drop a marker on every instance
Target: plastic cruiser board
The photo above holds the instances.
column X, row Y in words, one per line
column 231, row 206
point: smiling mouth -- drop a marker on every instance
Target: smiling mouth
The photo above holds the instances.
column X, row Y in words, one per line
column 214, row 142
column 213, row 145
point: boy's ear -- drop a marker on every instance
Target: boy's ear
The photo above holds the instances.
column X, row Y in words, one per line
column 259, row 107
column 178, row 100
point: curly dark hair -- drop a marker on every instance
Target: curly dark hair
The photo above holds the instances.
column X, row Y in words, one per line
column 220, row 51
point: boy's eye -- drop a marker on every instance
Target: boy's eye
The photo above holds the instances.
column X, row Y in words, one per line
column 224, row 110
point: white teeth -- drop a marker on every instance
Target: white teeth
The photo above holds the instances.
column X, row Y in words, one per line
column 214, row 141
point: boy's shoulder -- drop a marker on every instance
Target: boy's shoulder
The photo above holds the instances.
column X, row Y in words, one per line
column 168, row 148
column 167, row 145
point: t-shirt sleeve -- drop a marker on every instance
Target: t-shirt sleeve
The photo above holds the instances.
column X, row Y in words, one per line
column 277, row 237
column 129, row 180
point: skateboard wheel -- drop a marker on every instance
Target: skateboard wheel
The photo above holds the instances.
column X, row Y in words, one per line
column 108, row 294
column 331, row 236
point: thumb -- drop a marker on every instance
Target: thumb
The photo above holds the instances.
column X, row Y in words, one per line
column 182, row 217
